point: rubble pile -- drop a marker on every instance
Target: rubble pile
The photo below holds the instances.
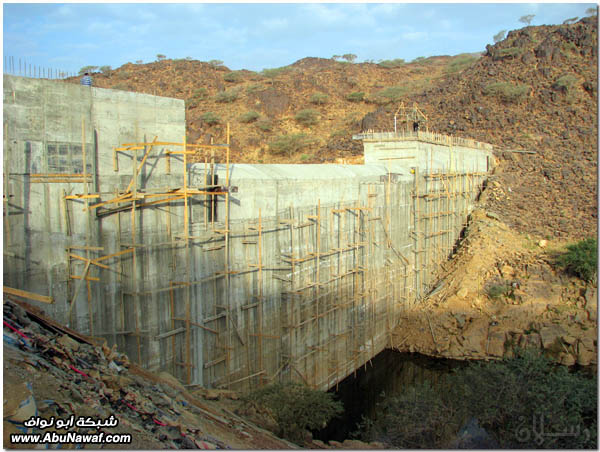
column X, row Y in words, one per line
column 54, row 373
column 501, row 292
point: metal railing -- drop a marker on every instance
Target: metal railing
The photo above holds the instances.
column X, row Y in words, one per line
column 23, row 68
column 429, row 137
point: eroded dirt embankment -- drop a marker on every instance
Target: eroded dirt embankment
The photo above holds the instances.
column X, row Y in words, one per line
column 502, row 290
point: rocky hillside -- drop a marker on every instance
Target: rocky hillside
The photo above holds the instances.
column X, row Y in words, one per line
column 533, row 91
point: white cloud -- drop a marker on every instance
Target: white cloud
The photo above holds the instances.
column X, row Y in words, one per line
column 275, row 24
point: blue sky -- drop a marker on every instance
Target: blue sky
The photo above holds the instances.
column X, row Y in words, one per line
column 256, row 36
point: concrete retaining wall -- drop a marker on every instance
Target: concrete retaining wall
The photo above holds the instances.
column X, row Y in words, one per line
column 292, row 272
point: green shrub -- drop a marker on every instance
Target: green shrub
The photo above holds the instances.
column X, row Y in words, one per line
column 253, row 88
column 496, row 291
column 106, row 70
column 390, row 94
column 274, row 72
column 199, row 94
column 319, row 98
column 85, row 69
column 356, row 97
column 227, row 96
column 460, row 63
column 507, row 91
column 295, row 407
column 307, row 117
column 232, row 77
column 215, row 63
column 581, row 259
column 339, row 133
column 210, row 118
column 508, row 398
column 565, row 83
column 265, row 125
column 389, row 64
column 249, row 116
column 510, row 52
column 291, row 144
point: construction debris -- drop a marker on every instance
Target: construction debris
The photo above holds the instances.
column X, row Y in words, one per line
column 52, row 375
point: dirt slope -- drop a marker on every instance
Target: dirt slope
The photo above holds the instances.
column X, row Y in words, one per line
column 53, row 372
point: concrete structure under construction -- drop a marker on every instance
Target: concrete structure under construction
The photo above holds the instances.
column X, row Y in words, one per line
column 228, row 275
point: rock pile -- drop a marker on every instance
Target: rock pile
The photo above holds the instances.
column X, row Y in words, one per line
column 54, row 373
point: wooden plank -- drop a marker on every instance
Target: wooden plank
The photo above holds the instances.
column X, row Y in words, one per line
column 28, row 295
column 169, row 333
column 88, row 278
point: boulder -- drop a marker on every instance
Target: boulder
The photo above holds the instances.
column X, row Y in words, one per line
column 585, row 357
column 355, row 444
column 566, row 359
column 495, row 346
column 475, row 337
column 550, row 334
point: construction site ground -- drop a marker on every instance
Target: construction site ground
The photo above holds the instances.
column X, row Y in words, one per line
column 541, row 307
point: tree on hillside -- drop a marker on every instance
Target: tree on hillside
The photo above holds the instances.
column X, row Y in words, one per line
column 349, row 57
column 593, row 11
column 499, row 36
column 336, row 57
column 85, row 69
column 572, row 20
column 527, row 19
column 105, row 70
column 139, row 61
column 160, row 57
column 215, row 63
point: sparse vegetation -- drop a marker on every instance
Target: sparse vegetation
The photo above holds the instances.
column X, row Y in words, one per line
column 357, row 96
column 526, row 19
column 572, row 20
column 593, row 11
column 291, row 144
column 506, row 91
column 106, row 70
column 215, row 63
column 389, row 94
column 581, row 259
column 274, row 72
column 349, row 57
column 499, row 36
column 565, row 83
column 496, row 291
column 460, row 63
column 160, row 57
column 210, row 118
column 249, row 116
column 388, row 64
column 319, row 98
column 307, row 117
column 200, row 93
column 232, row 77
column 227, row 96
column 85, row 69
column 265, row 125
column 295, row 407
column 507, row 397
column 253, row 88
column 510, row 52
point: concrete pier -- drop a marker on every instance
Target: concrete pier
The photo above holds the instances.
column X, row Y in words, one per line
column 225, row 275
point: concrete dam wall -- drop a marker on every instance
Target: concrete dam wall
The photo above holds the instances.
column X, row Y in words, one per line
column 229, row 275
